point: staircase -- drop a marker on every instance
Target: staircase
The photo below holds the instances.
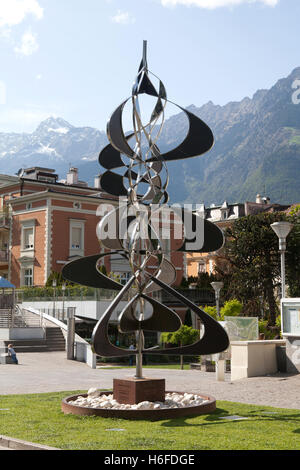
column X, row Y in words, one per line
column 5, row 317
column 28, row 345
column 55, row 339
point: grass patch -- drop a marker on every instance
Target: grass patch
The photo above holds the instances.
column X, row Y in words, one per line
column 38, row 418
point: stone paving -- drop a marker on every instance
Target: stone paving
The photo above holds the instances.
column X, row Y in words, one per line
column 50, row 372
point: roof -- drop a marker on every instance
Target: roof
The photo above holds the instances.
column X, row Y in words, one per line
column 5, row 284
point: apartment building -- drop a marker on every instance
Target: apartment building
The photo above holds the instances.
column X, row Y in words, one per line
column 224, row 215
column 45, row 223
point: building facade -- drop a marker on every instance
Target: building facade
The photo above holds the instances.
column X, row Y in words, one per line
column 224, row 215
column 45, row 223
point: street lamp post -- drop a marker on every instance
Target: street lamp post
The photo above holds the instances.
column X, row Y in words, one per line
column 217, row 286
column 63, row 287
column 220, row 360
column 54, row 284
column 282, row 229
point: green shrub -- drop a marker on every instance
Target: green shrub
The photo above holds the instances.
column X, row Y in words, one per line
column 232, row 308
column 263, row 328
column 212, row 311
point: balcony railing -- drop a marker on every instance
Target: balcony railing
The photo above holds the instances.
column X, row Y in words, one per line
column 197, row 296
column 46, row 294
column 4, row 220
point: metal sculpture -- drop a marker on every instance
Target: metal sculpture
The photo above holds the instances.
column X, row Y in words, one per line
column 142, row 189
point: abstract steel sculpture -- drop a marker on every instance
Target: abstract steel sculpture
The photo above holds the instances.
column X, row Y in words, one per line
column 134, row 237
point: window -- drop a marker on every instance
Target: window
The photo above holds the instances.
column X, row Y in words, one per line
column 76, row 238
column 123, row 278
column 201, row 267
column 28, row 238
column 166, row 242
column 29, row 206
column 28, row 277
column 28, row 235
column 224, row 215
column 77, row 205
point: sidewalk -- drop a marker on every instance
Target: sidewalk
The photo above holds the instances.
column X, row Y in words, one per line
column 51, row 372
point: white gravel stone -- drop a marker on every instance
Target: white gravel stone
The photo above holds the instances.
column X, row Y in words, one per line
column 93, row 392
column 173, row 400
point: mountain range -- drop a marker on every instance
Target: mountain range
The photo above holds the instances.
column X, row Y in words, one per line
column 257, row 149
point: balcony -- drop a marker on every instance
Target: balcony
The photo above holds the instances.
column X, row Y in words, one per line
column 4, row 220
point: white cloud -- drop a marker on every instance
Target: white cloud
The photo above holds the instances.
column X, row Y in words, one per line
column 28, row 44
column 213, row 4
column 123, row 17
column 39, row 76
column 13, row 12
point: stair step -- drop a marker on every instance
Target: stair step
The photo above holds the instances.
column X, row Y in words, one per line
column 27, row 349
column 54, row 341
column 29, row 342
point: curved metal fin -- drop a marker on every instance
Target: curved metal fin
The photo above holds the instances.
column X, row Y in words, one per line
column 215, row 338
column 100, row 341
column 162, row 318
column 84, row 271
column 110, row 157
column 115, row 131
column 112, row 183
column 198, row 141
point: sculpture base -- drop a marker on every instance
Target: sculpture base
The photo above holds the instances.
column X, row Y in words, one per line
column 152, row 415
column 132, row 391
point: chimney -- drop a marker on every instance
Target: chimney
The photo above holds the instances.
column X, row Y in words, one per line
column 97, row 182
column 72, row 176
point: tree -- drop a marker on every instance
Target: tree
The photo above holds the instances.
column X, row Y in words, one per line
column 251, row 250
column 188, row 318
column 184, row 336
column 293, row 253
column 57, row 276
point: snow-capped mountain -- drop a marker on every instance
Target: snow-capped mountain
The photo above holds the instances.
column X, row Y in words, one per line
column 55, row 143
column 257, row 149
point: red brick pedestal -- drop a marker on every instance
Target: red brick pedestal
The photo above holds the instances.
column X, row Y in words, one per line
column 132, row 390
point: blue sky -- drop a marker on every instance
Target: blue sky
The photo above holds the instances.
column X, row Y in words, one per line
column 77, row 59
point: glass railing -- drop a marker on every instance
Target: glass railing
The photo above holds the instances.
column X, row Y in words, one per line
column 197, row 296
column 49, row 294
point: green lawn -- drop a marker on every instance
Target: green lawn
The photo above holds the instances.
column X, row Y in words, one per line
column 38, row 418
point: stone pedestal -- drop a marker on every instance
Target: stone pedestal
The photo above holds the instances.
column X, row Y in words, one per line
column 132, row 391
column 254, row 358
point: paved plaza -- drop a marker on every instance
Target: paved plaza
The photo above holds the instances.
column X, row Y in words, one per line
column 51, row 372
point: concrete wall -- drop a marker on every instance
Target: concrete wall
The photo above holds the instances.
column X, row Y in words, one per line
column 253, row 358
column 89, row 308
column 26, row 333
column 21, row 333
